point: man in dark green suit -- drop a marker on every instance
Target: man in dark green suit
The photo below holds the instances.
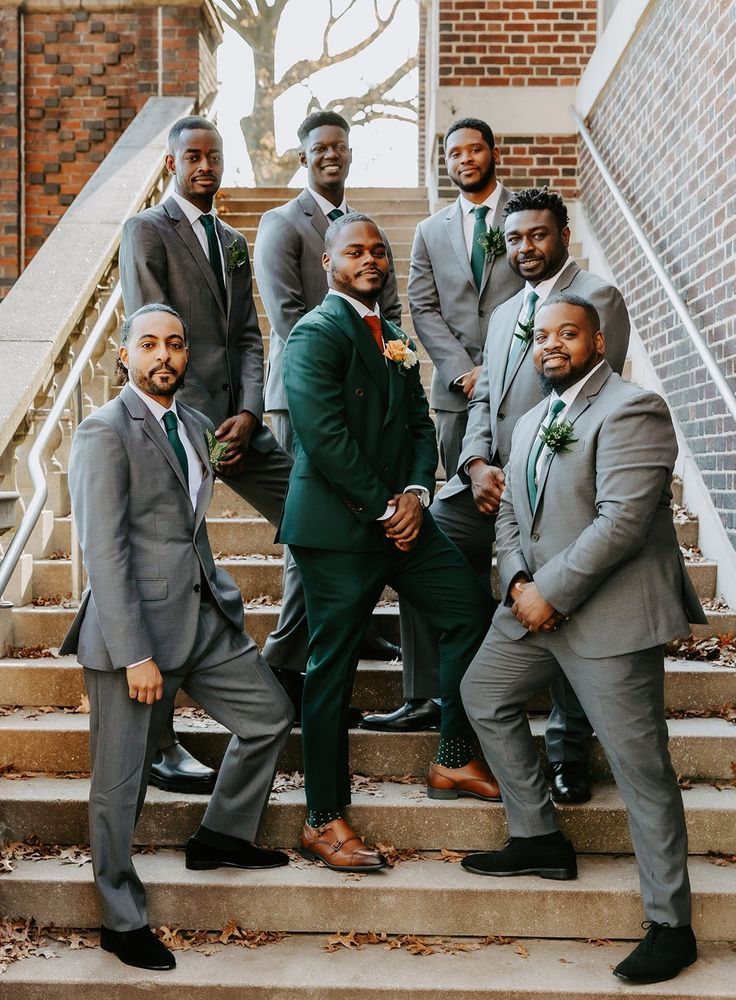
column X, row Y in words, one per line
column 355, row 519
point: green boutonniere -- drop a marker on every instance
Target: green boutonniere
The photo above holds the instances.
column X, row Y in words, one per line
column 527, row 330
column 493, row 243
column 217, row 449
column 558, row 436
column 236, row 257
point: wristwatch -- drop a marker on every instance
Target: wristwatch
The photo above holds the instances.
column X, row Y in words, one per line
column 421, row 494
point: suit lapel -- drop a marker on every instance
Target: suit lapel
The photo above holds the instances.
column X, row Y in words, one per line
column 527, row 441
column 315, row 214
column 495, row 222
column 454, row 220
column 152, row 429
column 396, row 381
column 199, row 443
column 350, row 323
column 184, row 230
column 511, row 308
column 227, row 241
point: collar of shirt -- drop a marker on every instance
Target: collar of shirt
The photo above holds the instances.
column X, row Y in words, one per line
column 194, row 215
column 156, row 408
column 544, row 288
column 191, row 211
column 361, row 310
column 325, row 205
column 572, row 392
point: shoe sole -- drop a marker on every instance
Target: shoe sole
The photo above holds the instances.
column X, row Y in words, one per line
column 311, row 856
column 206, row 866
column 568, row 801
column 449, row 793
column 558, row 874
column 647, row 982
column 433, row 727
column 173, row 786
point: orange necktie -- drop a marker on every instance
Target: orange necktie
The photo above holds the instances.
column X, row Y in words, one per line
column 374, row 324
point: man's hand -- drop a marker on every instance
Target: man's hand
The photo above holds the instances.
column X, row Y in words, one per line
column 236, row 431
column 531, row 609
column 403, row 526
column 145, row 683
column 468, row 382
column 487, row 483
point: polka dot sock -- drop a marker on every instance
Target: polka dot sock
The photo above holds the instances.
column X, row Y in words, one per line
column 456, row 751
column 320, row 817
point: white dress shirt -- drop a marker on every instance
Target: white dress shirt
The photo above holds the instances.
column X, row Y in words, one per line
column 568, row 397
column 194, row 214
column 468, row 211
column 327, row 206
column 543, row 289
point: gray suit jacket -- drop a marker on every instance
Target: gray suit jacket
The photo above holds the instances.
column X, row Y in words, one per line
column 450, row 316
column 600, row 542
column 292, row 281
column 495, row 408
column 161, row 260
column 146, row 551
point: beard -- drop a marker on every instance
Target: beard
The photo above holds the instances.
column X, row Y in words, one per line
column 485, row 178
column 559, row 382
column 152, row 387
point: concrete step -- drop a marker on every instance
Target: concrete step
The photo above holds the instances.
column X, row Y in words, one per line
column 298, row 966
column 56, row 741
column 357, row 194
column 55, row 810
column 378, row 686
column 420, row 897
column 389, row 215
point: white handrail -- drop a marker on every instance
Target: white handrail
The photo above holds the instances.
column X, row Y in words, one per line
column 673, row 295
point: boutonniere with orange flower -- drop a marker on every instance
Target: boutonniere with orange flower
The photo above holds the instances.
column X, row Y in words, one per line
column 400, row 352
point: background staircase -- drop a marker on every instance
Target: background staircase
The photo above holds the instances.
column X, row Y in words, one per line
column 565, row 936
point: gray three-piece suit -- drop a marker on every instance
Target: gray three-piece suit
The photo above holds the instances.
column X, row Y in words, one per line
column 155, row 591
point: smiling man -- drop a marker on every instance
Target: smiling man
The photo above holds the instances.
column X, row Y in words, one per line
column 158, row 616
column 355, row 519
column 593, row 584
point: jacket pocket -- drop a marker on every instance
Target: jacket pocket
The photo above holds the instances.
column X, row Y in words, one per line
column 153, row 588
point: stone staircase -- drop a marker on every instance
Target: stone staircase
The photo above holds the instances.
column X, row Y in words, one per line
column 439, row 931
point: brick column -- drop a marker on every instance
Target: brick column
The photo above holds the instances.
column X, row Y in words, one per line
column 9, row 147
column 87, row 73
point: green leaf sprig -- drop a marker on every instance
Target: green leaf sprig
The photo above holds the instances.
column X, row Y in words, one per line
column 236, row 257
column 557, row 437
column 527, row 330
column 217, row 449
column 493, row 242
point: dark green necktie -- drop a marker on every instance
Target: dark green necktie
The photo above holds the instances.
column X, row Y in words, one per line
column 172, row 433
column 213, row 244
column 517, row 344
column 536, row 449
column 477, row 253
column 336, row 213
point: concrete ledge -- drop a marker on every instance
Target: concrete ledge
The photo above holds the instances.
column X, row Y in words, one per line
column 509, row 110
column 46, row 302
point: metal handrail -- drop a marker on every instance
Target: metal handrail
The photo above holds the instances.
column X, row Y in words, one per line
column 727, row 393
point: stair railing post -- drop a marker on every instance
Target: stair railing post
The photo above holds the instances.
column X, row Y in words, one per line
column 76, row 548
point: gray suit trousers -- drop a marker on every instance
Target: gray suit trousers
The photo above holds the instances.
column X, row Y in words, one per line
column 623, row 697
column 226, row 675
column 450, row 426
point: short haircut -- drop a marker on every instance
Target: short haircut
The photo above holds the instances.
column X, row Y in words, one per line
column 475, row 123
column 317, row 119
column 151, row 307
column 184, row 124
column 535, row 200
column 334, row 228
column 567, row 298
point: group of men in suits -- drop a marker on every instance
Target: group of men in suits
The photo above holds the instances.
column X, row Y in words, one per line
column 575, row 491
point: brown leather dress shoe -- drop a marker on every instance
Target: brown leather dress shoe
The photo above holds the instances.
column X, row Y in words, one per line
column 473, row 780
column 338, row 846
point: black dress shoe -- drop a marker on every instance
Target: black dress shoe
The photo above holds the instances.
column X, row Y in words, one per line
column 375, row 647
column 570, row 783
column 201, row 856
column 175, row 770
column 140, row 948
column 413, row 717
column 550, row 856
column 664, row 952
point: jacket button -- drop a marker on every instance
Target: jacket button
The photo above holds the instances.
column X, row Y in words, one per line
column 481, row 312
column 535, row 538
column 384, row 468
column 196, row 588
column 502, row 416
column 359, row 392
column 226, row 387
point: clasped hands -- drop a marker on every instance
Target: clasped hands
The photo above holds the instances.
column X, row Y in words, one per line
column 531, row 609
column 487, row 483
column 402, row 528
column 236, row 432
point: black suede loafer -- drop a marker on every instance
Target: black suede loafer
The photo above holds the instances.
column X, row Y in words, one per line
column 201, row 856
column 551, row 856
column 175, row 770
column 415, row 716
column 570, row 783
column 661, row 955
column 140, row 948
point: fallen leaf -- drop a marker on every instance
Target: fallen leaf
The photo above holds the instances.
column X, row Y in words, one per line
column 451, row 856
column 521, row 949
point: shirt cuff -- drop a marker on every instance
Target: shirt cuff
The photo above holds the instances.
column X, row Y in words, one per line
column 131, row 665
column 389, row 512
column 459, row 379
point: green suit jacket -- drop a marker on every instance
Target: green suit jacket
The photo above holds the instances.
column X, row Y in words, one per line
column 362, row 431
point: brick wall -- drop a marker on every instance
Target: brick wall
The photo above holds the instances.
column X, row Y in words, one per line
column 9, row 147
column 515, row 42
column 87, row 74
column 665, row 127
column 528, row 161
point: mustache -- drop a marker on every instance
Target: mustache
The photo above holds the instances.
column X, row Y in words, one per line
column 162, row 368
